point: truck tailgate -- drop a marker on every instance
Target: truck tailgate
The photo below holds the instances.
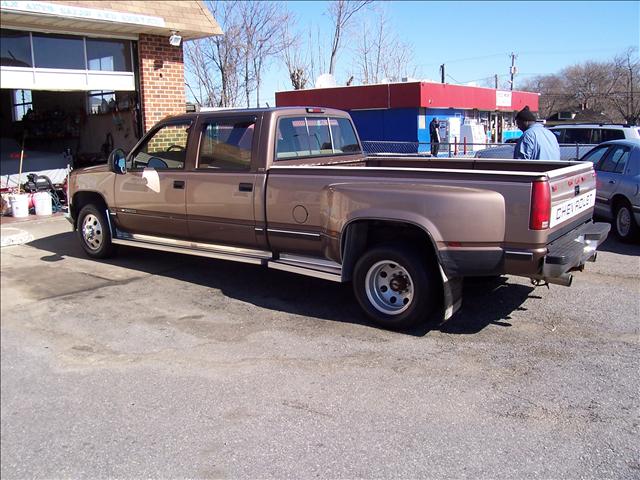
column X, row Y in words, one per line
column 573, row 195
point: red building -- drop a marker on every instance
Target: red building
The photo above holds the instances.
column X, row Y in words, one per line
column 402, row 111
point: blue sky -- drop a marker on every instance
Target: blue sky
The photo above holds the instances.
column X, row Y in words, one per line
column 474, row 39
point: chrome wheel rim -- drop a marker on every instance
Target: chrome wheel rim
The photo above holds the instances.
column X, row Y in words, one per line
column 623, row 221
column 389, row 287
column 92, row 232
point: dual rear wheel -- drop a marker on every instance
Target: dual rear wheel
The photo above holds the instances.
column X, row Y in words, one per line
column 395, row 286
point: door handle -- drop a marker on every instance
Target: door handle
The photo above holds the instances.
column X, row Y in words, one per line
column 178, row 184
column 245, row 187
column 613, row 182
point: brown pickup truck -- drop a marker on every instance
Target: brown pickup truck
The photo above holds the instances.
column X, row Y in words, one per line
column 290, row 189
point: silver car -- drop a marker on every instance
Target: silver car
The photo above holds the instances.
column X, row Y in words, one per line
column 617, row 165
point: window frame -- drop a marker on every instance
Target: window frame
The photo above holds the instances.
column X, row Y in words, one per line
column 205, row 122
column 102, row 93
column 21, row 104
column 150, row 134
column 31, row 57
column 84, row 39
column 328, row 118
column 606, row 149
column 612, row 150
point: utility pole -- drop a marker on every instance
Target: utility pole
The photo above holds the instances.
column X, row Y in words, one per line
column 495, row 77
column 513, row 69
column 442, row 73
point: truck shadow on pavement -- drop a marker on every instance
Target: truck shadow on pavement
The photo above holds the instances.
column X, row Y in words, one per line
column 485, row 301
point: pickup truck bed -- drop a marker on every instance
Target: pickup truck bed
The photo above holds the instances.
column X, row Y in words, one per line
column 404, row 230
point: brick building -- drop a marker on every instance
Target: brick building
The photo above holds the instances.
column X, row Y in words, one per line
column 87, row 76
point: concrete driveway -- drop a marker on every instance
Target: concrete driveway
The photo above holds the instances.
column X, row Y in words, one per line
column 157, row 365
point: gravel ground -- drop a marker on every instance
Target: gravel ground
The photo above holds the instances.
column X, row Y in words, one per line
column 156, row 365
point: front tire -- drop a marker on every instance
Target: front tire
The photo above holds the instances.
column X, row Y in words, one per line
column 395, row 287
column 94, row 233
column 624, row 223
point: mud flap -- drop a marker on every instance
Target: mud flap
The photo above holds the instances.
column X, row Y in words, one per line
column 452, row 294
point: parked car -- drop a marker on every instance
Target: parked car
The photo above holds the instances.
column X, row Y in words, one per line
column 617, row 165
column 290, row 189
column 594, row 133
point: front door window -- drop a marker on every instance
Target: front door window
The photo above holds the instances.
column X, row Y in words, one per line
column 165, row 149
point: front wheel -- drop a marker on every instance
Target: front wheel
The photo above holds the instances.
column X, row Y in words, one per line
column 94, row 233
column 395, row 286
column 624, row 223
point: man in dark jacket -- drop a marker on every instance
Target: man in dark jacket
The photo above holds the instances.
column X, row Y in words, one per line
column 434, row 133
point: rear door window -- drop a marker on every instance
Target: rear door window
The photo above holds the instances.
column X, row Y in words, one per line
column 612, row 134
column 226, row 144
column 616, row 160
column 577, row 135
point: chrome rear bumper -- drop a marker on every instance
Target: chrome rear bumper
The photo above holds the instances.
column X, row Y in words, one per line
column 570, row 252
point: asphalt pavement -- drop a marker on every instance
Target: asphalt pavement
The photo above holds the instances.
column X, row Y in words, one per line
column 168, row 366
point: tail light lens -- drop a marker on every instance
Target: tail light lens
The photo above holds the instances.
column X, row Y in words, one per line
column 540, row 206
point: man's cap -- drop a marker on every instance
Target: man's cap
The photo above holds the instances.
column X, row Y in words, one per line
column 526, row 115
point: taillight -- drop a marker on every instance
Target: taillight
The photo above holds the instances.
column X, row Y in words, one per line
column 540, row 206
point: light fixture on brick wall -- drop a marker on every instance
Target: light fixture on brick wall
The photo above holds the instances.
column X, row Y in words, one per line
column 175, row 39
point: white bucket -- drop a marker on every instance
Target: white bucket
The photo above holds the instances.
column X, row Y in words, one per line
column 43, row 203
column 19, row 205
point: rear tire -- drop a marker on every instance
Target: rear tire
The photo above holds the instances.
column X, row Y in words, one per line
column 395, row 287
column 94, row 233
column 624, row 223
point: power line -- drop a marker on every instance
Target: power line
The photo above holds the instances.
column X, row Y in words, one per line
column 494, row 55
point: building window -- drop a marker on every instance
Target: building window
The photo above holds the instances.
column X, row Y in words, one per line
column 22, row 103
column 101, row 102
column 58, row 51
column 109, row 55
column 15, row 49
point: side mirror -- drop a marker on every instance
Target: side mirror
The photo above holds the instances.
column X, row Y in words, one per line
column 118, row 161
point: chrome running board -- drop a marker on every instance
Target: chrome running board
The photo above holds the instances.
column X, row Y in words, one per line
column 220, row 252
column 310, row 266
column 302, row 265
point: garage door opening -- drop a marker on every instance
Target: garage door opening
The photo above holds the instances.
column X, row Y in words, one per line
column 63, row 129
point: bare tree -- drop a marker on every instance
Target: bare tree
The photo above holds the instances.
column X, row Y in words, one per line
column 296, row 60
column 589, row 83
column 625, row 99
column 200, row 83
column 341, row 12
column 263, row 25
column 317, row 57
column 608, row 89
column 212, row 64
column 380, row 53
column 552, row 98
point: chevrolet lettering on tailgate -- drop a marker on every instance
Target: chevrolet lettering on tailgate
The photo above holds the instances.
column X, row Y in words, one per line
column 566, row 210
